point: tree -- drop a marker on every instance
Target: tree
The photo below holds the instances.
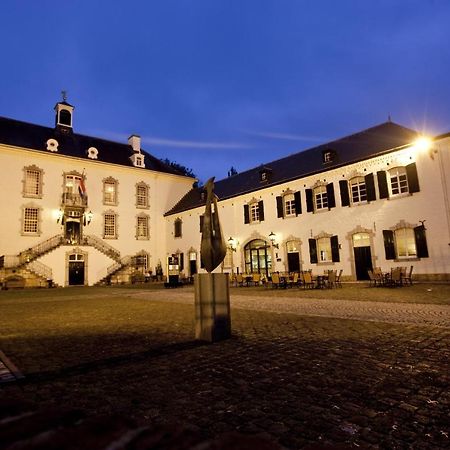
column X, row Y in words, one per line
column 182, row 169
column 232, row 171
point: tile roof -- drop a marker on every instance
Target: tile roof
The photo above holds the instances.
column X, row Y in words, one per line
column 356, row 147
column 31, row 136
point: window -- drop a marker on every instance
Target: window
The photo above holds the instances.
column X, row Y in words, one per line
column 65, row 118
column 254, row 211
column 405, row 241
column 110, row 191
column 142, row 227
column 289, row 204
column 74, row 190
column 142, row 195
column 320, row 198
column 137, row 160
column 398, row 181
column 110, row 226
column 324, row 249
column 178, row 231
column 358, row 190
column 30, row 221
column 32, row 183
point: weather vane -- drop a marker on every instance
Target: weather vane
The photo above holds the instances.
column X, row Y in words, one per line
column 64, row 95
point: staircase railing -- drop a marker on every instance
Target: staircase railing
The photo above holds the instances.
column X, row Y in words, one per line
column 102, row 246
column 125, row 261
column 38, row 250
column 40, row 269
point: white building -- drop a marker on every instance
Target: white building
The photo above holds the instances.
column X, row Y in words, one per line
column 83, row 210
column 377, row 198
column 77, row 209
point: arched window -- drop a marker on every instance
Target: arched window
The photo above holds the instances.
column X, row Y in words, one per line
column 258, row 258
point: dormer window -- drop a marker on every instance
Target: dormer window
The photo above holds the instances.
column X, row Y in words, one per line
column 265, row 175
column 138, row 160
column 328, row 156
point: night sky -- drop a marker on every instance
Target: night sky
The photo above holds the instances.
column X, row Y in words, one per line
column 212, row 84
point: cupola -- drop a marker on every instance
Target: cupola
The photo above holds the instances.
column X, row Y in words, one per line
column 64, row 115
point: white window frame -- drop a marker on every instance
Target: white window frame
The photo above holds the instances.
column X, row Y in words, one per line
column 405, row 238
column 32, row 188
column 114, row 193
column 324, row 254
column 142, row 227
column 31, row 226
column 358, row 190
column 398, row 181
column 253, row 209
column 142, row 195
column 289, row 205
column 320, row 198
column 110, row 229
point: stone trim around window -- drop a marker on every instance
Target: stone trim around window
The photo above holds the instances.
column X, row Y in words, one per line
column 25, row 181
column 142, row 195
column 31, row 217
column 107, row 215
column 142, row 224
column 111, row 181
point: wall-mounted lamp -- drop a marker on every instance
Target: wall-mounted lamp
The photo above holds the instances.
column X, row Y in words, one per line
column 88, row 217
column 60, row 216
column 272, row 239
column 232, row 244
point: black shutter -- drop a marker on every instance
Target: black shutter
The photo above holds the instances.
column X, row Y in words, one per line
column 202, row 218
column 309, row 200
column 382, row 184
column 280, row 212
column 261, row 210
column 334, row 249
column 370, row 187
column 389, row 244
column 330, row 196
column 421, row 242
column 181, row 261
column 413, row 180
column 298, row 203
column 312, row 251
column 345, row 198
column 246, row 214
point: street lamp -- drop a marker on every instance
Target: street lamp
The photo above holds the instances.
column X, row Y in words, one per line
column 232, row 244
column 272, row 239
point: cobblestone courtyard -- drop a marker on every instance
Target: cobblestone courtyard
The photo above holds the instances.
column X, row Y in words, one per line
column 301, row 371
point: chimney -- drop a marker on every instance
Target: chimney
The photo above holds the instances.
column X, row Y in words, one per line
column 135, row 141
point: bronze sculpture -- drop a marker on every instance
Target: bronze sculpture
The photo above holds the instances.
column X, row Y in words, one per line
column 213, row 248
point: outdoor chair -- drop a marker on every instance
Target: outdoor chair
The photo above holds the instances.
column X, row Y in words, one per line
column 331, row 281
column 275, row 280
column 408, row 277
column 372, row 278
column 379, row 277
column 338, row 278
column 294, row 280
column 239, row 280
column 396, row 277
column 307, row 280
column 256, row 278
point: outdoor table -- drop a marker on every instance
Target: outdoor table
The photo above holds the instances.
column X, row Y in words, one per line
column 320, row 281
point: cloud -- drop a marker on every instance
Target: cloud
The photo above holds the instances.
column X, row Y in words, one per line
column 284, row 136
column 169, row 142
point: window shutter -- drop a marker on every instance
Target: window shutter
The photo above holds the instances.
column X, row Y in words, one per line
column 298, row 203
column 389, row 244
column 370, row 187
column 421, row 242
column 312, row 250
column 345, row 198
column 334, row 248
column 280, row 207
column 413, row 180
column 181, row 261
column 309, row 200
column 261, row 210
column 330, row 196
column 202, row 218
column 382, row 184
column 246, row 214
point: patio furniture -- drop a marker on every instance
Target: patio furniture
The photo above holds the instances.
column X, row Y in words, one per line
column 331, row 279
column 294, row 280
column 372, row 278
column 239, row 280
column 256, row 278
column 408, row 277
column 277, row 281
column 307, row 280
column 396, row 277
column 338, row 278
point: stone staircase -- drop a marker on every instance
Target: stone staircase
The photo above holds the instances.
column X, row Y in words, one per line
column 120, row 270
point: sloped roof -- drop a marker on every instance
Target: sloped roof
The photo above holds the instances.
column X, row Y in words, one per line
column 356, row 147
column 27, row 135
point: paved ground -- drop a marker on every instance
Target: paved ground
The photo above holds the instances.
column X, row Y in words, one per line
column 301, row 376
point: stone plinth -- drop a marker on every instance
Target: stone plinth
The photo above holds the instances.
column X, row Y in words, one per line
column 212, row 307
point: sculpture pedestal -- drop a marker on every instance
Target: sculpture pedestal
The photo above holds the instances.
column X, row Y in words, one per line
column 212, row 307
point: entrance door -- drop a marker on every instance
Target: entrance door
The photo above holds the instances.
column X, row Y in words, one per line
column 257, row 257
column 293, row 256
column 192, row 263
column 76, row 273
column 363, row 255
column 73, row 229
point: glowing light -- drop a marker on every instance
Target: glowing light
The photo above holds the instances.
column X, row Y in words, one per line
column 422, row 144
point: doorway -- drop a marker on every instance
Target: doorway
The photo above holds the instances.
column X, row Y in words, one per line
column 363, row 255
column 293, row 256
column 258, row 258
column 192, row 263
column 76, row 270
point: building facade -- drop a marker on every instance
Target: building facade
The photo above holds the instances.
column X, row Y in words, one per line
column 79, row 210
column 378, row 198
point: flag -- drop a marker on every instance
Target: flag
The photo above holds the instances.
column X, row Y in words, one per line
column 82, row 186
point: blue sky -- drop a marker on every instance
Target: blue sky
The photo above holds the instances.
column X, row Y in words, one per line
column 212, row 84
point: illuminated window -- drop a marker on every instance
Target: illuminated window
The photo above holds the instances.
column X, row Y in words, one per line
column 30, row 221
column 142, row 228
column 289, row 205
column 398, row 180
column 110, row 226
column 142, row 195
column 110, row 191
column 405, row 243
column 254, row 212
column 324, row 249
column 32, row 184
column 358, row 190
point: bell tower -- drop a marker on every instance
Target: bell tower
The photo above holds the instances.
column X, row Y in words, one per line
column 64, row 115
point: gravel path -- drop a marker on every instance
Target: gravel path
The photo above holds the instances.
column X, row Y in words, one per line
column 417, row 314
